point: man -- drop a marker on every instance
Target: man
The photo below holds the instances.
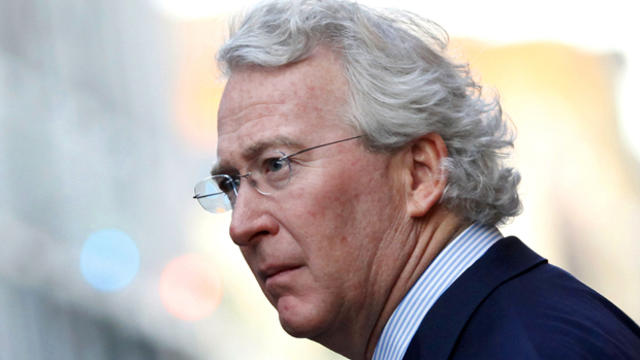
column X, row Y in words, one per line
column 362, row 167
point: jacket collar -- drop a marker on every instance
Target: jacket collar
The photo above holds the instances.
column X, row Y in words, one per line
column 444, row 322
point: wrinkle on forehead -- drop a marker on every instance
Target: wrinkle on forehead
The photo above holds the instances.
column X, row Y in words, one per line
column 298, row 84
column 301, row 100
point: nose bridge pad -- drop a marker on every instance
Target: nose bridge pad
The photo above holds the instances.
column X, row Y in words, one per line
column 256, row 185
column 252, row 182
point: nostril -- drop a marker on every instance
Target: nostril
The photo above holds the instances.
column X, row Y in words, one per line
column 257, row 236
column 261, row 233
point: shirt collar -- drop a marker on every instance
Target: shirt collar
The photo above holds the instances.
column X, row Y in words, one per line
column 448, row 265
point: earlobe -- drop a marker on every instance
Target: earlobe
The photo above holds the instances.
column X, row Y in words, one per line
column 427, row 175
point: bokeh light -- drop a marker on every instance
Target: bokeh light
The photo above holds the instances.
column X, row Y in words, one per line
column 109, row 259
column 198, row 85
column 190, row 287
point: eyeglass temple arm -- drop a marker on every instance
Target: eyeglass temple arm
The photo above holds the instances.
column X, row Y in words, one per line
column 319, row 146
column 286, row 157
column 204, row 196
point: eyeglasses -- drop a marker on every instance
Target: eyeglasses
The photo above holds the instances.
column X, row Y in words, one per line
column 267, row 174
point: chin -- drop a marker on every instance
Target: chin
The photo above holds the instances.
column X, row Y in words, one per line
column 296, row 330
column 301, row 320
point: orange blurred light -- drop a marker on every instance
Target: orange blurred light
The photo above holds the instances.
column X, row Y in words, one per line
column 198, row 86
column 190, row 289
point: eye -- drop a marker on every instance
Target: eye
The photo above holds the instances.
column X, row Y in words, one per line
column 226, row 184
column 273, row 165
column 276, row 171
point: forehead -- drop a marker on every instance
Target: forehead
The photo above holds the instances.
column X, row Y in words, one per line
column 302, row 101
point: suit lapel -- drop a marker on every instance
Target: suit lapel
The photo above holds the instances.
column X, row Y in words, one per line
column 442, row 325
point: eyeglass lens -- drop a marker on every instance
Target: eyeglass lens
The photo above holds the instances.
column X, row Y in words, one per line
column 268, row 174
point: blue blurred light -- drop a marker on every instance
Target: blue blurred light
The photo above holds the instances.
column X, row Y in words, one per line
column 109, row 260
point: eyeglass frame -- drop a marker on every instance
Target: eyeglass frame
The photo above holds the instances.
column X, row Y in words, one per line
column 236, row 179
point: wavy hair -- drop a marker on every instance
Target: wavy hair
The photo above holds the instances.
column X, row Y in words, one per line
column 402, row 86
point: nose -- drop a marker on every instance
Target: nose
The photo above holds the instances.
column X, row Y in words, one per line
column 251, row 218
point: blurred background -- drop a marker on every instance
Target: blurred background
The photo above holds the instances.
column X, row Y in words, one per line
column 108, row 118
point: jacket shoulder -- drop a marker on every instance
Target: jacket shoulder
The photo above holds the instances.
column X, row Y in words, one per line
column 512, row 304
column 546, row 313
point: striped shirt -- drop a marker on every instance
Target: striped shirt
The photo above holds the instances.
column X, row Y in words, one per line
column 452, row 261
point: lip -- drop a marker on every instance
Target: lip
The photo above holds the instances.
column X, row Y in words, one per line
column 270, row 273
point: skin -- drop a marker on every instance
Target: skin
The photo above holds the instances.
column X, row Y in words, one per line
column 336, row 250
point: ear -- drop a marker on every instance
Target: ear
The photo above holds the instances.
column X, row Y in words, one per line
column 427, row 178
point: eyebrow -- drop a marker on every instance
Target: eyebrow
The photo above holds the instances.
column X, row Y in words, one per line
column 253, row 151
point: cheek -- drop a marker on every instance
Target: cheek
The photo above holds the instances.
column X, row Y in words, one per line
column 345, row 197
column 339, row 208
column 319, row 220
column 329, row 214
column 315, row 201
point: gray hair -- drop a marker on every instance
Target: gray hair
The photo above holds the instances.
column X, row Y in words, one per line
column 401, row 85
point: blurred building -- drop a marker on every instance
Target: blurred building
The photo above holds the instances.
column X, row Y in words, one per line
column 84, row 138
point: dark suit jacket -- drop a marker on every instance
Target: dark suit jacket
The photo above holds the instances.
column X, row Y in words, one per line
column 512, row 304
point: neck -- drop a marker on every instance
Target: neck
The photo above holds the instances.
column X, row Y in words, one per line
column 429, row 237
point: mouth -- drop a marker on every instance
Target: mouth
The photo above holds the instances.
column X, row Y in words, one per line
column 273, row 273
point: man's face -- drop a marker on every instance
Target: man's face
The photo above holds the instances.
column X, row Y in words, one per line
column 318, row 247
